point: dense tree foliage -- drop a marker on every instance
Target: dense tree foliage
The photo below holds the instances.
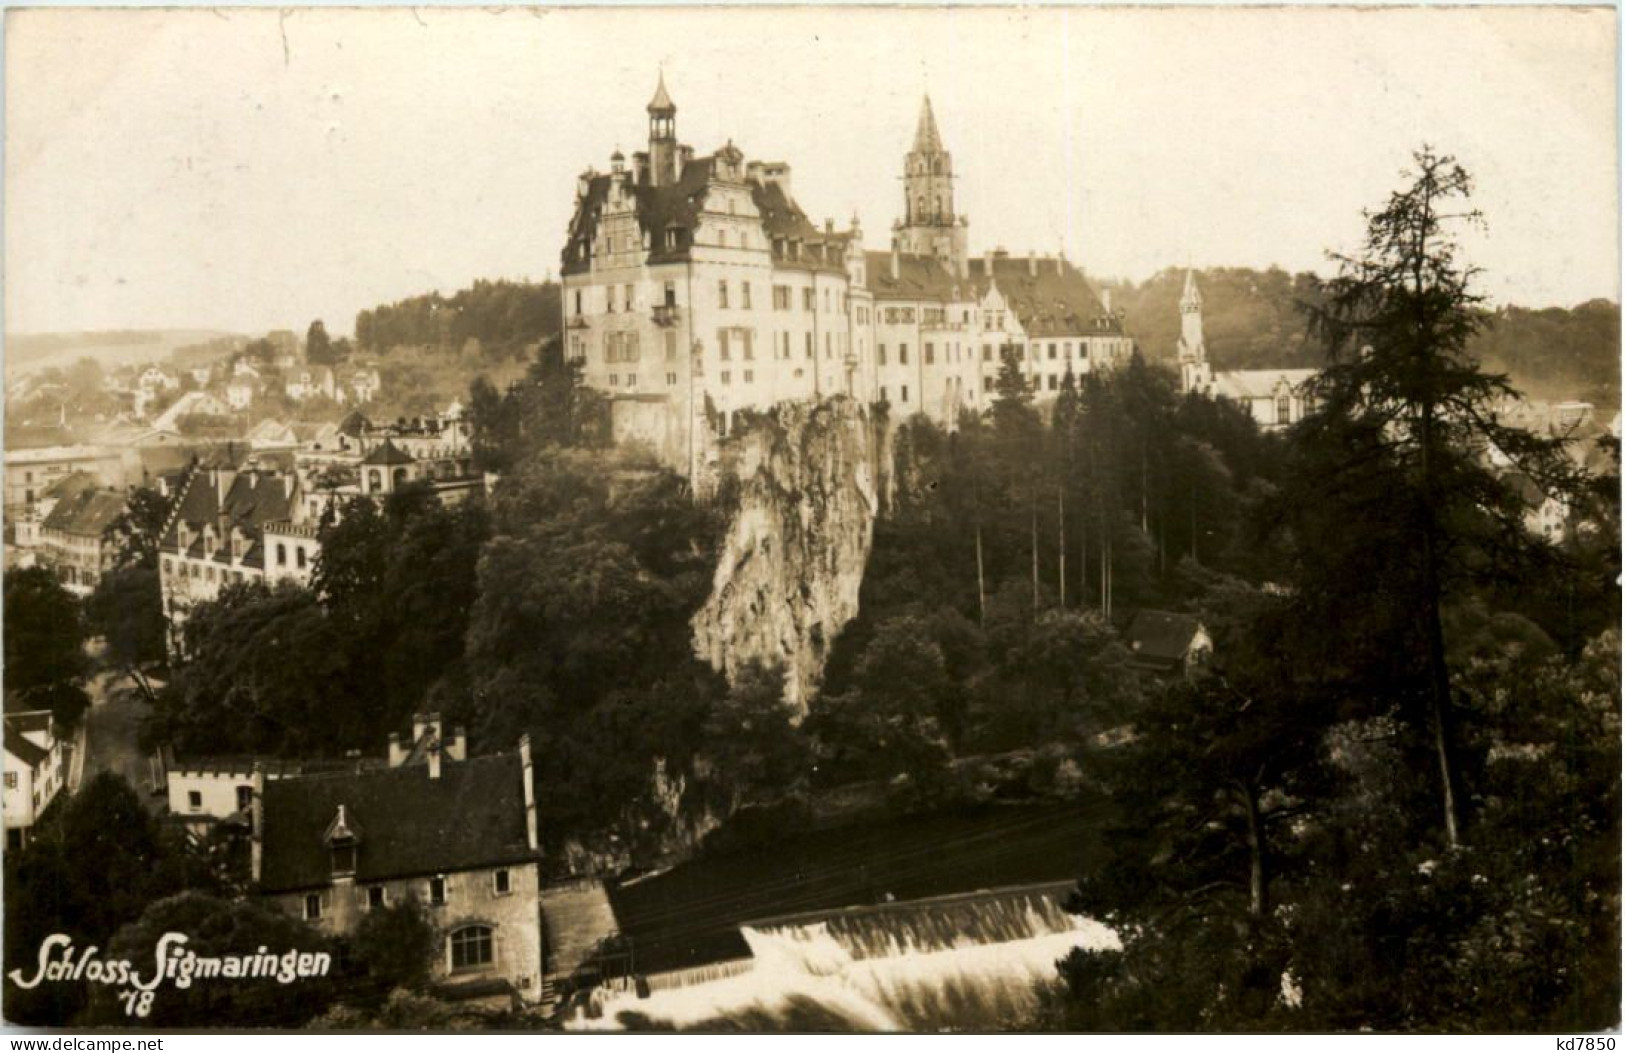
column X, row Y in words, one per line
column 44, row 646
column 1253, row 319
column 501, row 315
column 90, row 867
column 1393, row 802
column 320, row 671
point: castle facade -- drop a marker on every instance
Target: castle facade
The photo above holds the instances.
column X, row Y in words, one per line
column 696, row 287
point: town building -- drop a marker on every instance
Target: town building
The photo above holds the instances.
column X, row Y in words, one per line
column 72, row 540
column 312, row 382
column 35, row 771
column 1274, row 398
column 230, row 525
column 459, row 834
column 1167, row 644
column 697, row 287
column 31, row 472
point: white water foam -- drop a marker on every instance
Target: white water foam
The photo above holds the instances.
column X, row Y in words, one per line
column 922, row 967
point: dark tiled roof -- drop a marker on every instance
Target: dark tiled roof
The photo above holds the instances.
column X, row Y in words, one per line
column 71, row 484
column 389, row 453
column 1055, row 301
column 28, row 721
column 251, row 500
column 25, row 750
column 1161, row 636
column 354, row 424
column 87, row 513
column 678, row 207
column 472, row 816
column 918, row 278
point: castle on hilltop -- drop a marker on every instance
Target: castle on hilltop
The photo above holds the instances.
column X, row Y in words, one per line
column 697, row 287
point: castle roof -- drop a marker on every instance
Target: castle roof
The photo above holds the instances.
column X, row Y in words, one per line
column 918, row 278
column 661, row 103
column 926, row 139
column 1049, row 296
column 472, row 816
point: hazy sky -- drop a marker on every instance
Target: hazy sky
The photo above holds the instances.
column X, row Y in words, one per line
column 246, row 170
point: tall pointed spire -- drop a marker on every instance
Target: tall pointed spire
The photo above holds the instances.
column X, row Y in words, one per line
column 1192, row 297
column 926, row 139
column 662, row 103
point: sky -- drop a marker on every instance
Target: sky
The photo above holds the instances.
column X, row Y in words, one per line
column 250, row 169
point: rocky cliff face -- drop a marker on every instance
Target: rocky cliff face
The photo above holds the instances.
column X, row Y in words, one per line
column 808, row 479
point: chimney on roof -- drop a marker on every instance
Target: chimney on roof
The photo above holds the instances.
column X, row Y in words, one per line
column 530, row 792
column 256, row 845
column 1032, row 265
column 829, row 225
column 896, row 260
column 1106, row 300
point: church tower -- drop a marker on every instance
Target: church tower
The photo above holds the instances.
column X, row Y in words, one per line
column 930, row 226
column 1195, row 374
column 662, row 137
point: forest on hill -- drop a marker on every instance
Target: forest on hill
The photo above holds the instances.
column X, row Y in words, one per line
column 504, row 317
column 1253, row 320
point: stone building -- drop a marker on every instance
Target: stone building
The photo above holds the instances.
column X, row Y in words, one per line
column 1274, row 398
column 458, row 834
column 696, row 287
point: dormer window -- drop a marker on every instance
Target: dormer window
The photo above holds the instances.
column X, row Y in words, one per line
column 343, row 838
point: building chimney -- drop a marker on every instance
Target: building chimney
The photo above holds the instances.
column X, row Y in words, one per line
column 256, row 845
column 1032, row 264
column 987, row 263
column 829, row 225
column 1106, row 300
column 530, row 792
column 896, row 260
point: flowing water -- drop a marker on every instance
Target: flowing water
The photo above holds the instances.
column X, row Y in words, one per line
column 968, row 962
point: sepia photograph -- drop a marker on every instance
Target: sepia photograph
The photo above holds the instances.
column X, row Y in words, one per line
column 928, row 519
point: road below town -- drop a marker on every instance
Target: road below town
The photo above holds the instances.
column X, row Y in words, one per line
column 112, row 735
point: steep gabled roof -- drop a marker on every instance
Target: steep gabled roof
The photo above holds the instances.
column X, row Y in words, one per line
column 1160, row 636
column 250, row 500
column 389, row 454
column 918, row 278
column 1259, row 383
column 87, row 513
column 25, row 750
column 1049, row 296
column 472, row 816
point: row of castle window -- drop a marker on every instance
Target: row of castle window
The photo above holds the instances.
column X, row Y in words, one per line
column 301, row 560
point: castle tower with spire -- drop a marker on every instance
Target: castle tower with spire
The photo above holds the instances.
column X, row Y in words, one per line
column 1195, row 374
column 662, row 136
column 929, row 226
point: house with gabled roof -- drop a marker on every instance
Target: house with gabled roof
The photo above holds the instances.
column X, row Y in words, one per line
column 456, row 833
column 72, row 537
column 1165, row 643
column 34, row 772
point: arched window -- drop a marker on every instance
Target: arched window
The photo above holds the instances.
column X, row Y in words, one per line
column 1283, row 410
column 471, row 947
column 400, row 476
column 281, row 555
column 375, row 479
column 299, row 555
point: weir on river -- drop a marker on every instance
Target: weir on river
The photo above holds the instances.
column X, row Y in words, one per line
column 961, row 962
